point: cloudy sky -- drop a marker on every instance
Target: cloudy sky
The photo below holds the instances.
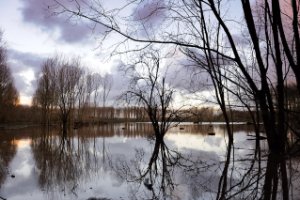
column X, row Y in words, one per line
column 32, row 35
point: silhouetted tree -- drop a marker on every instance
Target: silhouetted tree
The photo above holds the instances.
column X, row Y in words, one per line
column 150, row 90
column 9, row 96
column 45, row 95
column 58, row 87
column 68, row 76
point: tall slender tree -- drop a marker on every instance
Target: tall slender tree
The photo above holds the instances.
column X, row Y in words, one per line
column 45, row 95
column 59, row 87
column 9, row 96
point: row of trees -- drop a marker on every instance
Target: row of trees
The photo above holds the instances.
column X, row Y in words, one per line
column 64, row 85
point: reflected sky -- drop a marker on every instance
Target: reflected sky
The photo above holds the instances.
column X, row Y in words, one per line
column 93, row 160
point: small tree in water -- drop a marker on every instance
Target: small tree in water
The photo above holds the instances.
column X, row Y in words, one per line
column 149, row 89
column 58, row 87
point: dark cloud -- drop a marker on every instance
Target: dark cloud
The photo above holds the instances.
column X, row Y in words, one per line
column 70, row 30
column 20, row 63
column 150, row 14
column 150, row 11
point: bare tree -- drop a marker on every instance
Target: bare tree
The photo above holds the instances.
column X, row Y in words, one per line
column 45, row 95
column 82, row 102
column 59, row 87
column 9, row 96
column 68, row 76
column 149, row 89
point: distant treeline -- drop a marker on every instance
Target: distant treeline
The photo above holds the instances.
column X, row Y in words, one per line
column 28, row 114
column 19, row 114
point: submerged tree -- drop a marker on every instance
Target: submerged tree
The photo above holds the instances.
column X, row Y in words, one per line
column 58, row 87
column 157, row 177
column 149, row 89
column 68, row 76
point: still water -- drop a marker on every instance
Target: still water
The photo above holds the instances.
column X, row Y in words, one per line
column 112, row 162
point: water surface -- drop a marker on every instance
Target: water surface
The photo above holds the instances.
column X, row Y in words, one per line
column 111, row 162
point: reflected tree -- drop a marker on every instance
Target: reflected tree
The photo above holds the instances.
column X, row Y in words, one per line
column 156, row 176
column 61, row 163
column 151, row 90
column 8, row 149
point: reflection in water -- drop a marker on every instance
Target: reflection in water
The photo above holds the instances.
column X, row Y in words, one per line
column 172, row 173
column 123, row 161
column 63, row 162
column 8, row 148
column 155, row 175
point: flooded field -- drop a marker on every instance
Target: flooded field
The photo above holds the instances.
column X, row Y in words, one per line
column 123, row 161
